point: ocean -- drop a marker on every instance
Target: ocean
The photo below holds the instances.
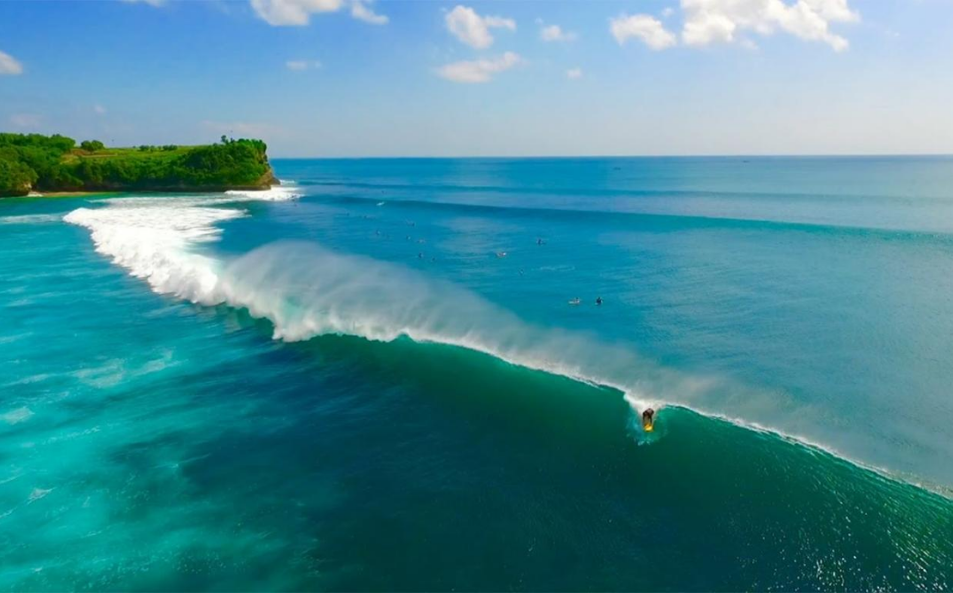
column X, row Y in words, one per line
column 374, row 378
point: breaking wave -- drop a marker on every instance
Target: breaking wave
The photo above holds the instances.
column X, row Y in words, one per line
column 305, row 291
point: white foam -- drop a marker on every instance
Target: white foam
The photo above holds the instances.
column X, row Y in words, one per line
column 31, row 219
column 156, row 242
column 21, row 414
column 156, row 238
column 275, row 194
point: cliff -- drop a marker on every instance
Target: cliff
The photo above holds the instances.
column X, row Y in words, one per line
column 54, row 164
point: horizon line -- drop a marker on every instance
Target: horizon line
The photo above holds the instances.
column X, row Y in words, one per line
column 629, row 156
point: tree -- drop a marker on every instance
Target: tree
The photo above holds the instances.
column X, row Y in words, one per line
column 16, row 179
column 91, row 145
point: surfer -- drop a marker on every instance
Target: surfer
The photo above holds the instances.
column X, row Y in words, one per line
column 575, row 301
column 598, row 300
column 648, row 419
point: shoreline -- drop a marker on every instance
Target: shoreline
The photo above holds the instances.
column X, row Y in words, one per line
column 116, row 192
column 68, row 194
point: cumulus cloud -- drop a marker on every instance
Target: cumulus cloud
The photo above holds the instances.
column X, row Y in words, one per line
column 362, row 12
column 641, row 26
column 477, row 71
column 555, row 33
column 297, row 13
column 574, row 73
column 9, row 65
column 721, row 21
column 299, row 65
column 474, row 30
column 26, row 120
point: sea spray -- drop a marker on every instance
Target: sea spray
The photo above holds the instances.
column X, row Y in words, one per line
column 305, row 291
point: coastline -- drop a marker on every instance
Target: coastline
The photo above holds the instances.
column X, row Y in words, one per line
column 53, row 166
column 68, row 194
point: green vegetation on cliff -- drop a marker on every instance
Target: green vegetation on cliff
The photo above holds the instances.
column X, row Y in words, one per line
column 54, row 163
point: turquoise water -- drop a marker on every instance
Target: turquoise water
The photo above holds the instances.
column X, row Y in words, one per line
column 372, row 379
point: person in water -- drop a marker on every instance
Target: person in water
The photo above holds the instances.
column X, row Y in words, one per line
column 648, row 418
column 598, row 300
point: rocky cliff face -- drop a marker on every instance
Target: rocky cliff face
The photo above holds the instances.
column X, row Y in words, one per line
column 266, row 181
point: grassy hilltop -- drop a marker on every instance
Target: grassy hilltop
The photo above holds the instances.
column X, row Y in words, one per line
column 33, row 162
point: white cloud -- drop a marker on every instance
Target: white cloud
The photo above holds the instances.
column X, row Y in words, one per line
column 297, row 13
column 555, row 33
column 292, row 12
column 574, row 73
column 667, row 12
column 720, row 21
column 362, row 12
column 479, row 70
column 99, row 110
column 9, row 65
column 26, row 120
column 300, row 65
column 473, row 29
column 641, row 26
column 155, row 3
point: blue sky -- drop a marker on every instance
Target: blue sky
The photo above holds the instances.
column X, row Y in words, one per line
column 432, row 78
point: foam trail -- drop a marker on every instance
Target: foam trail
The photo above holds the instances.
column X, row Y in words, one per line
column 155, row 237
column 275, row 194
column 30, row 219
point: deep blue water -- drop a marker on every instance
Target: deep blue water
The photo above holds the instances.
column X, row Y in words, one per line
column 373, row 378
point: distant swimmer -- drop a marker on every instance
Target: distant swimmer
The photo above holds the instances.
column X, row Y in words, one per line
column 539, row 241
column 420, row 255
column 598, row 301
column 648, row 420
column 500, row 254
column 575, row 301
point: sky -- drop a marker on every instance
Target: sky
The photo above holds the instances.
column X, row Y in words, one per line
column 356, row 78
